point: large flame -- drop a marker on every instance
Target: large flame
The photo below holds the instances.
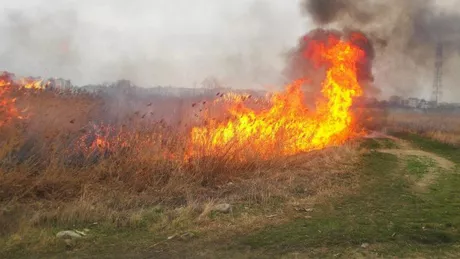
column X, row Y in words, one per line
column 278, row 125
column 288, row 127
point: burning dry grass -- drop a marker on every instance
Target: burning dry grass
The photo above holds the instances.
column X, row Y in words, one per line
column 441, row 126
column 58, row 171
column 76, row 160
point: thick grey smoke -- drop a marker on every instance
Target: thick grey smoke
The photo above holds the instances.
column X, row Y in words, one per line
column 405, row 34
column 161, row 42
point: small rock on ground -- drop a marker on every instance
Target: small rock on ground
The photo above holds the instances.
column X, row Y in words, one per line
column 68, row 234
column 224, row 208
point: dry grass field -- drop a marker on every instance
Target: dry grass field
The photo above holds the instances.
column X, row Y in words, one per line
column 125, row 183
column 441, row 126
column 59, row 171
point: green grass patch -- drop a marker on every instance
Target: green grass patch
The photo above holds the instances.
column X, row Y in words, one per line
column 104, row 240
column 385, row 212
column 419, row 166
column 448, row 151
column 378, row 144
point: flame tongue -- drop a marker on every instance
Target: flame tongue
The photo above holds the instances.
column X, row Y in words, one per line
column 339, row 87
column 288, row 127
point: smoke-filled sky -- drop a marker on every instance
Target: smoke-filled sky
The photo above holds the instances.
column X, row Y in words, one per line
column 159, row 42
column 181, row 42
column 405, row 35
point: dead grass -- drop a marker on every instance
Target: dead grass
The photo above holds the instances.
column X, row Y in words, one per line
column 91, row 194
column 182, row 204
column 137, row 178
column 444, row 127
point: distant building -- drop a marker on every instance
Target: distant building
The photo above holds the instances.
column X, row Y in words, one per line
column 422, row 104
column 431, row 104
column 413, row 102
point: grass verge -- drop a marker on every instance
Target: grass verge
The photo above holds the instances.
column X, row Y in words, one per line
column 381, row 217
column 386, row 214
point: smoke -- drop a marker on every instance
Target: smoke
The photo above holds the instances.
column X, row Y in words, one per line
column 177, row 43
column 242, row 43
column 415, row 23
column 404, row 34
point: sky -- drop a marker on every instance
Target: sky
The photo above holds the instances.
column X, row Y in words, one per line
column 179, row 43
column 159, row 42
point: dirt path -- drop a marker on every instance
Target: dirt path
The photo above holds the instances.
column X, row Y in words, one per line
column 442, row 162
column 406, row 149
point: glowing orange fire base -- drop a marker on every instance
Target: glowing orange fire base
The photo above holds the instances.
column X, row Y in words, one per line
column 288, row 127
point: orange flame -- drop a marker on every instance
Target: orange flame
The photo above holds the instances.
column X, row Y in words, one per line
column 29, row 83
column 8, row 109
column 288, row 127
column 9, row 85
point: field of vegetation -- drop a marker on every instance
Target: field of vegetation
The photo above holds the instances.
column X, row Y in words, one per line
column 126, row 191
column 441, row 126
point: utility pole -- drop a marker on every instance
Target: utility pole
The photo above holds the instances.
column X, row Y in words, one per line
column 437, row 84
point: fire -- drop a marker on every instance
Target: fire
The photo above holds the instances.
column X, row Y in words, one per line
column 8, row 109
column 8, row 86
column 30, row 83
column 280, row 124
column 99, row 139
column 100, row 143
column 288, row 127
